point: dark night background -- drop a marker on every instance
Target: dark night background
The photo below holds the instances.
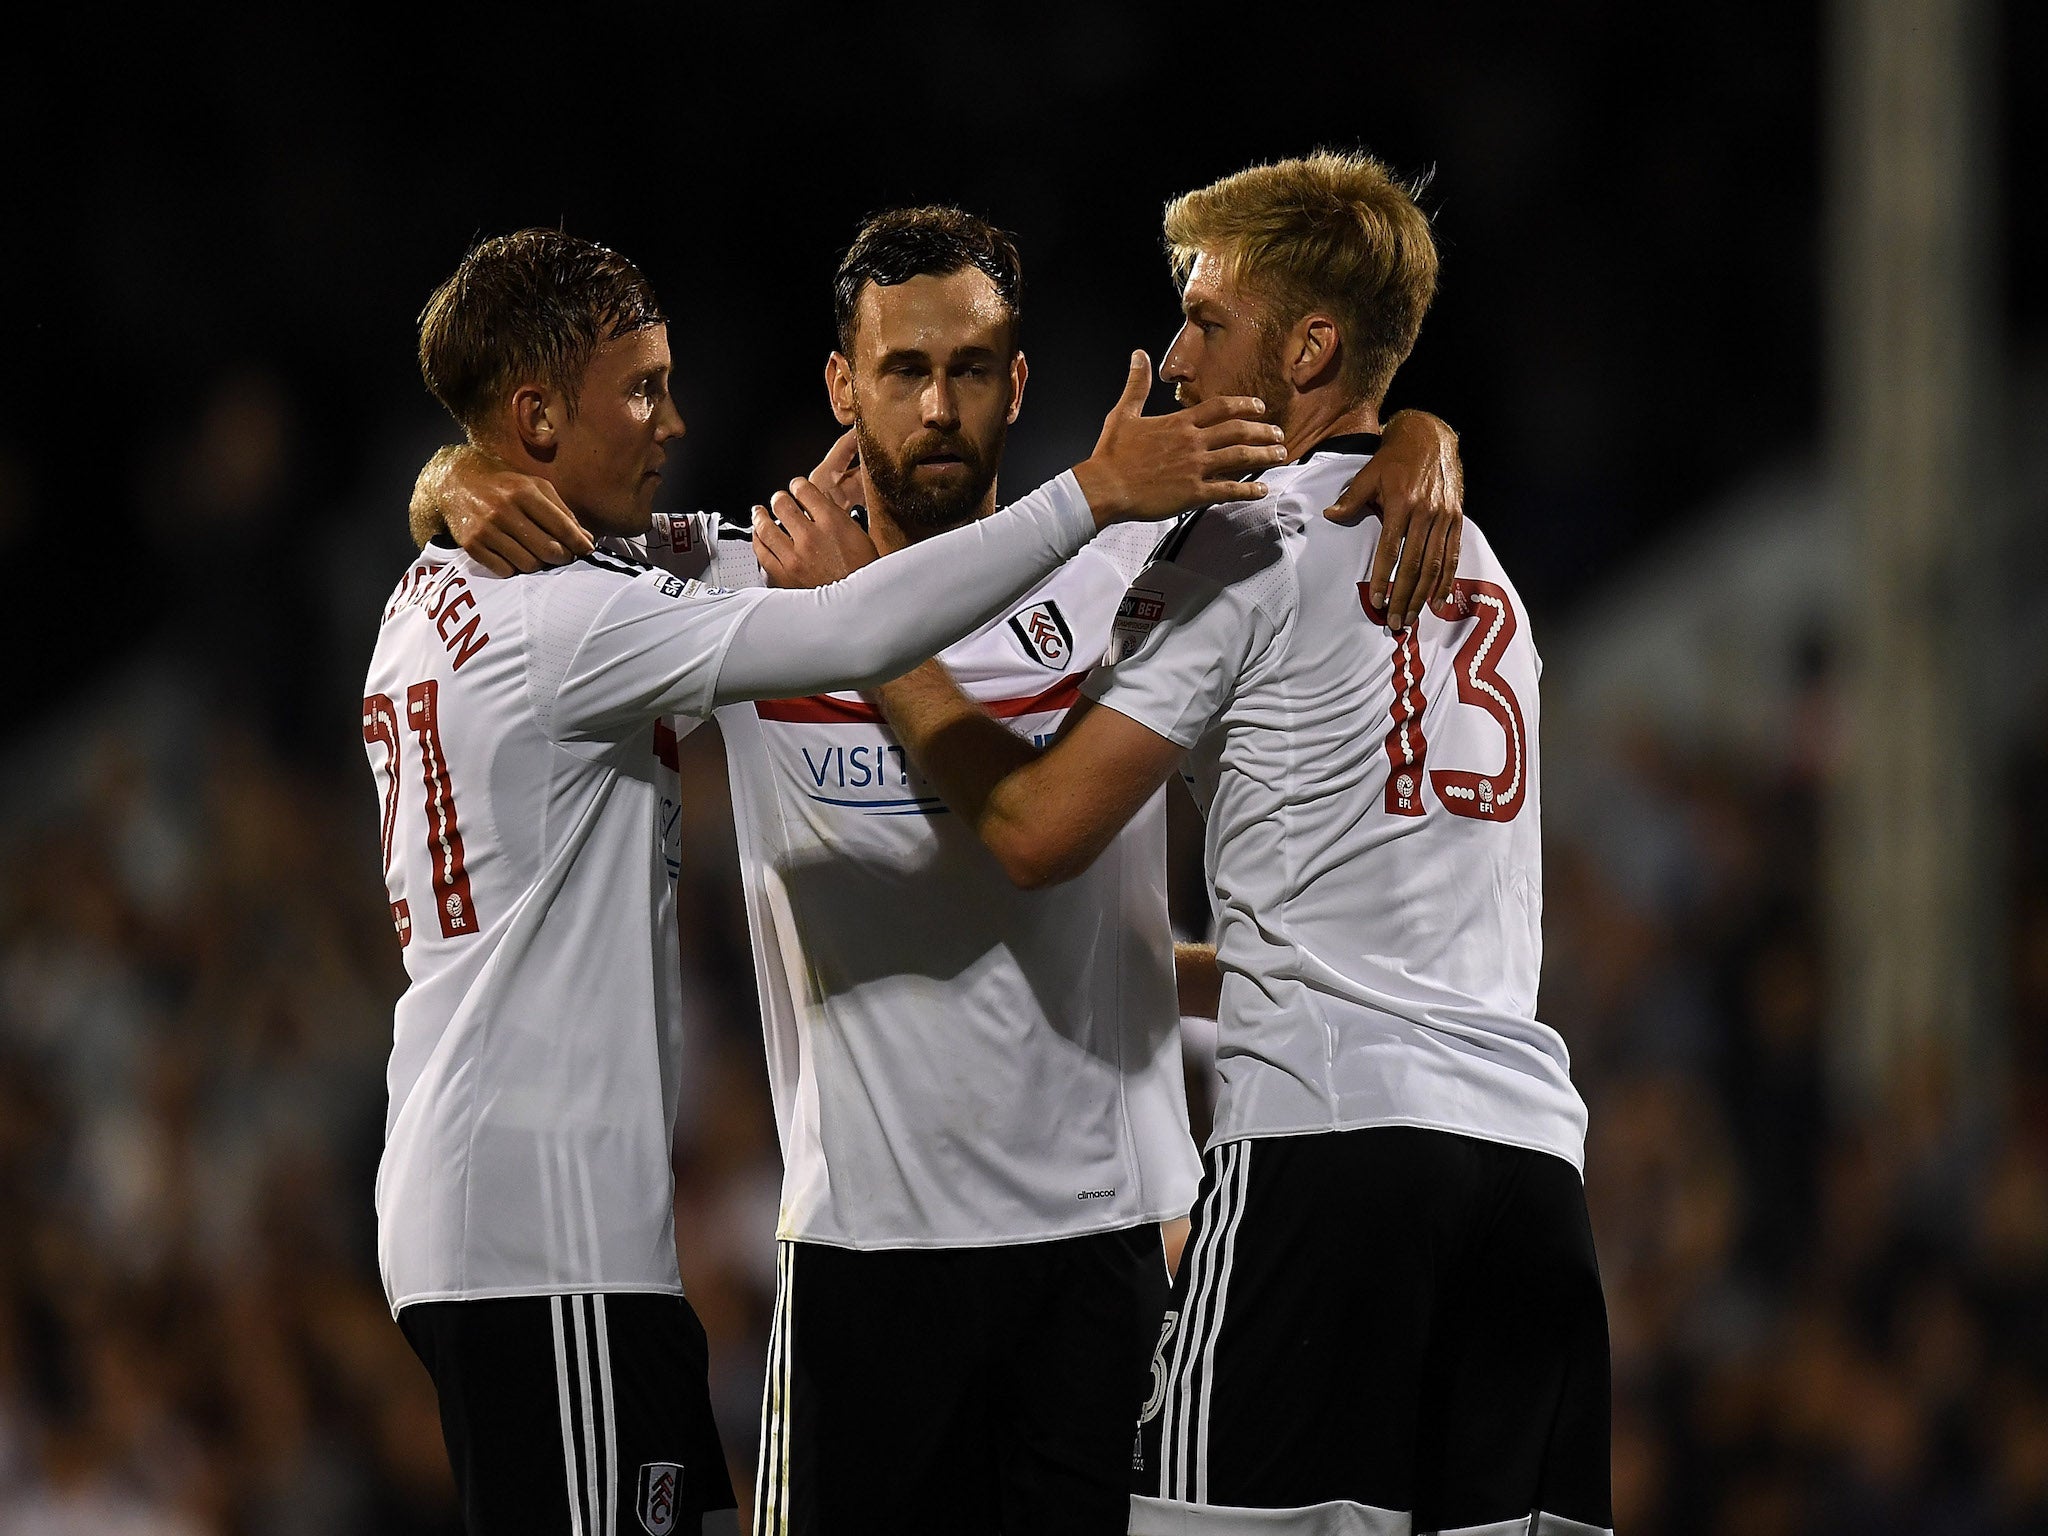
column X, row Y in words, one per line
column 1628, row 198
column 220, row 231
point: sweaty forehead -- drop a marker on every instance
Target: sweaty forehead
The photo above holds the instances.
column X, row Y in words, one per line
column 634, row 352
column 1210, row 281
column 934, row 315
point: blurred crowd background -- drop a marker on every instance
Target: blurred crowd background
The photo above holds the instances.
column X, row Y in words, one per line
column 1828, row 1291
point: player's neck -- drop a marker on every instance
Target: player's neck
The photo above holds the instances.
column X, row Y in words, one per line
column 509, row 450
column 506, row 450
column 1312, row 418
column 890, row 536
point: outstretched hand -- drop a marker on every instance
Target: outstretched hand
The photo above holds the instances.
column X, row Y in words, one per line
column 1416, row 483
column 1153, row 467
column 806, row 537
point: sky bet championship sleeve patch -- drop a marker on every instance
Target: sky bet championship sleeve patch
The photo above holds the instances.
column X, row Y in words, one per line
column 1043, row 632
column 1142, row 608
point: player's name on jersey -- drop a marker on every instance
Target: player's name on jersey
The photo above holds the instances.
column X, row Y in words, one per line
column 444, row 593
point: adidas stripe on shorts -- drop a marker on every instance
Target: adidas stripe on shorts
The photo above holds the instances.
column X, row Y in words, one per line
column 1376, row 1332
column 577, row 1415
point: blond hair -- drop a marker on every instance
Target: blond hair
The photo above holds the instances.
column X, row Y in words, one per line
column 1331, row 231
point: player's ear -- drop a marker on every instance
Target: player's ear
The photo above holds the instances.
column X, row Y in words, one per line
column 839, row 388
column 1313, row 350
column 537, row 419
column 1019, row 372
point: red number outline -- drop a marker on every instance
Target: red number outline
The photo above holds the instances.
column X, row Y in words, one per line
column 1480, row 796
column 452, row 900
column 1476, row 666
column 1407, row 747
column 380, row 724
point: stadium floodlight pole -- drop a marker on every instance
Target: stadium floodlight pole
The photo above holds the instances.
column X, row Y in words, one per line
column 1915, row 922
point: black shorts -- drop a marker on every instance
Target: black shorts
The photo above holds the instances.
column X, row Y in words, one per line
column 958, row 1389
column 1377, row 1330
column 581, row 1414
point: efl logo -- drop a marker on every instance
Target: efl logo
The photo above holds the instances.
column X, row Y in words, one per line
column 1042, row 630
column 661, row 1485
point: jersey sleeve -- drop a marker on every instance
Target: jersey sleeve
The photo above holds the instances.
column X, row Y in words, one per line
column 617, row 646
column 1194, row 620
column 684, row 544
column 1180, row 643
column 1129, row 547
column 887, row 617
column 703, row 546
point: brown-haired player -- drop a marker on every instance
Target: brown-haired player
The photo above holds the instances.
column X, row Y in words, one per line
column 519, row 733
column 1389, row 1316
column 977, row 1161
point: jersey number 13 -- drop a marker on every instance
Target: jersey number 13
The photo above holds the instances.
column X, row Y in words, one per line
column 1494, row 796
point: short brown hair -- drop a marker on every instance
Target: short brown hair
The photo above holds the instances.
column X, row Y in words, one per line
column 901, row 243
column 1332, row 231
column 527, row 307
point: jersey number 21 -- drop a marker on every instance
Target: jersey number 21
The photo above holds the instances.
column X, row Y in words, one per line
column 452, row 901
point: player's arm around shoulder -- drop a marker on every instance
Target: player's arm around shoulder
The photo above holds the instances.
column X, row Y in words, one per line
column 615, row 645
column 1180, row 640
column 1415, row 484
column 1045, row 813
column 506, row 521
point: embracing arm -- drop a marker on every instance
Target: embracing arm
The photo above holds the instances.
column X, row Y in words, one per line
column 1416, row 483
column 507, row 521
column 890, row 614
column 1046, row 814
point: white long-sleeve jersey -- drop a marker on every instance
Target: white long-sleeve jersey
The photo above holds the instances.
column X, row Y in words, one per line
column 955, row 1062
column 518, row 732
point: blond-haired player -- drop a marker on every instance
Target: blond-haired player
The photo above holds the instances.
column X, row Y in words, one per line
column 1389, row 1316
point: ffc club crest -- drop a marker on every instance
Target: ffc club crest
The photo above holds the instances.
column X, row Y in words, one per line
column 661, row 1486
column 1042, row 630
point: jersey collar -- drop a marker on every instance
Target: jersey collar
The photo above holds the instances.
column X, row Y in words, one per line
column 1367, row 443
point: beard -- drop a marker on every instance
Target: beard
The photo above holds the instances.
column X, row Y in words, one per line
column 1265, row 380
column 920, row 509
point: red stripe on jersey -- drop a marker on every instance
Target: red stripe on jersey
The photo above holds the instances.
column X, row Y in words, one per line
column 818, row 709
column 823, row 709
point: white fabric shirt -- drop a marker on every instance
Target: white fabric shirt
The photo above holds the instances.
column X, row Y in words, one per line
column 1373, row 841
column 955, row 1062
column 517, row 732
